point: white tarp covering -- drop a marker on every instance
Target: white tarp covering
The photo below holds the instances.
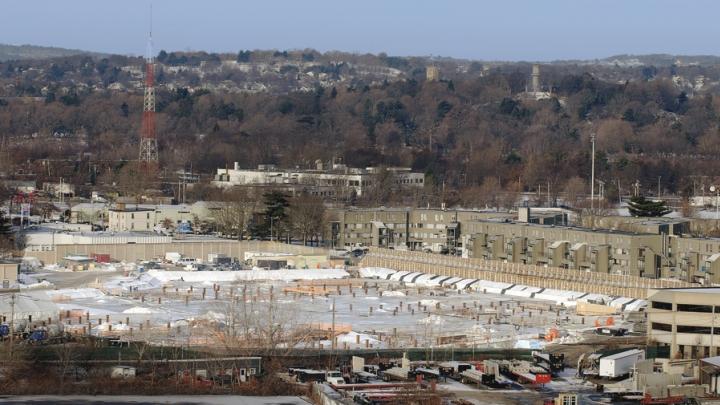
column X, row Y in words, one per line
column 32, row 303
column 560, row 297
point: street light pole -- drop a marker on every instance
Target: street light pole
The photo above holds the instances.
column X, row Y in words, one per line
column 12, row 325
column 716, row 190
column 592, row 174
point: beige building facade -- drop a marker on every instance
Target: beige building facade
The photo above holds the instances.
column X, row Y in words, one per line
column 652, row 248
column 8, row 273
column 685, row 319
column 131, row 219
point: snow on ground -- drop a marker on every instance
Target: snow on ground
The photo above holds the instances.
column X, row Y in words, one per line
column 67, row 294
column 154, row 279
column 375, row 272
column 138, row 310
column 247, row 275
column 355, row 340
column 28, row 281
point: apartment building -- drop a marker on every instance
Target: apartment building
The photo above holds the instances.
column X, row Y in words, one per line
column 696, row 259
column 436, row 230
column 686, row 320
column 654, row 248
column 568, row 247
column 372, row 227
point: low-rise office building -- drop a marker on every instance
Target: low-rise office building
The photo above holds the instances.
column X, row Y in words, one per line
column 686, row 320
column 338, row 177
column 143, row 217
column 123, row 218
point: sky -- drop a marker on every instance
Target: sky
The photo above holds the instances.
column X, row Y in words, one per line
column 531, row 30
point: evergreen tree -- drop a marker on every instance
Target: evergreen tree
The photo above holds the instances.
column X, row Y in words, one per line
column 641, row 207
column 7, row 242
column 275, row 216
column 5, row 225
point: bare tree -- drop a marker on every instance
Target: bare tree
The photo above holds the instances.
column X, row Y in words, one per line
column 307, row 215
column 66, row 354
column 574, row 188
column 233, row 218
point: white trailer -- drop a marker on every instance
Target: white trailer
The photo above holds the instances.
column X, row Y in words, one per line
column 620, row 364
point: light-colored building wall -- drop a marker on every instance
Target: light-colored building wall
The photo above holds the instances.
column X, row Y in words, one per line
column 357, row 180
column 568, row 247
column 133, row 220
column 687, row 320
column 193, row 248
column 696, row 258
column 495, row 236
column 8, row 273
column 122, row 217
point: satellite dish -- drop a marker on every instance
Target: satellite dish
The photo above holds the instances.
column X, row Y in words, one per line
column 712, row 189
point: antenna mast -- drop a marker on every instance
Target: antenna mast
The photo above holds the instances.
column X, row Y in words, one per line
column 148, row 137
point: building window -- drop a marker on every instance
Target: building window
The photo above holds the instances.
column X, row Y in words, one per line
column 662, row 305
column 694, row 308
column 704, row 330
column 662, row 326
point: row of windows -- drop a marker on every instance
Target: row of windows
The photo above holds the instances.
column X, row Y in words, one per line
column 683, row 307
column 702, row 330
column 408, row 181
column 661, row 305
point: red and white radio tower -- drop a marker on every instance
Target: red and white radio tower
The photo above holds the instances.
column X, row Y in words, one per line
column 148, row 137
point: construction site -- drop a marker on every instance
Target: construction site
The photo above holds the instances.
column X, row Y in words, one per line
column 423, row 325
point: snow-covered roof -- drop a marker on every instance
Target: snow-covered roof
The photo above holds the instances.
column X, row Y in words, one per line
column 715, row 361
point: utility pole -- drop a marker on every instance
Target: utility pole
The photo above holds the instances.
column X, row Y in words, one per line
column 548, row 190
column 592, row 174
column 12, row 325
column 333, row 325
column 658, row 193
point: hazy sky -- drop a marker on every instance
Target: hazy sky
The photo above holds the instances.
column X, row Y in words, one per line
column 477, row 29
